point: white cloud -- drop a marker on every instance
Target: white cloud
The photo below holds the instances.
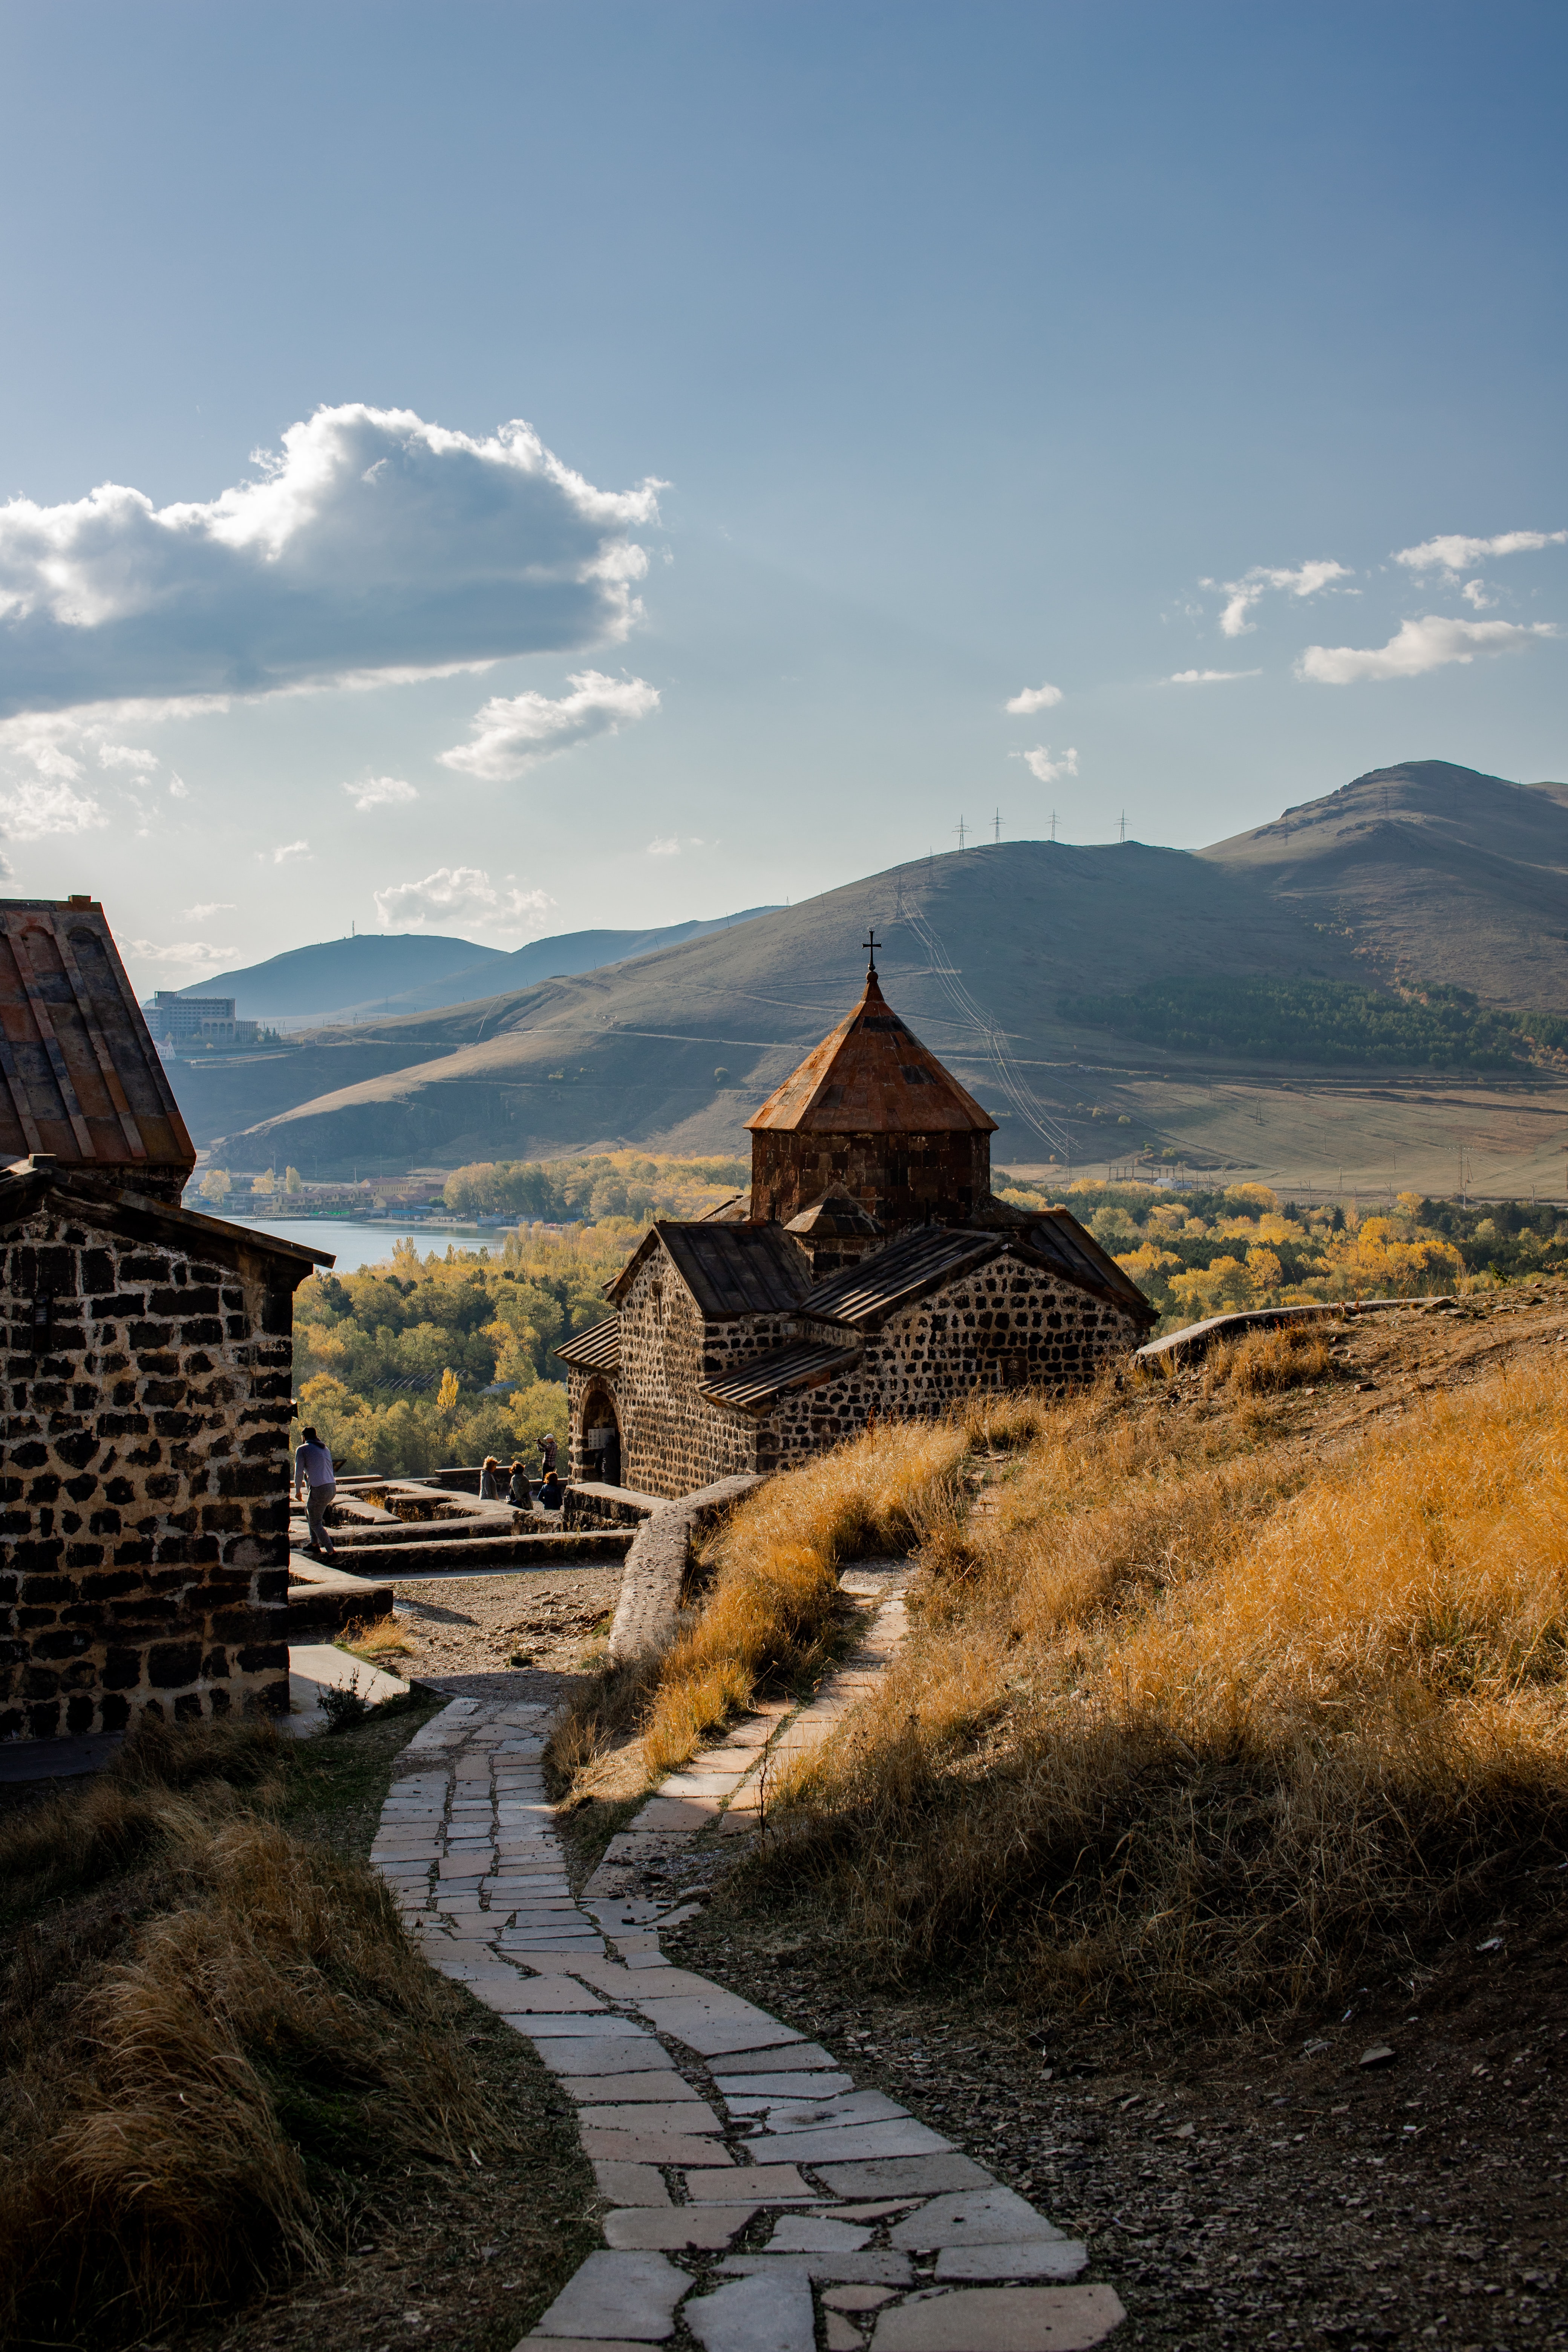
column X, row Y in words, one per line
column 287, row 854
column 1044, row 768
column 178, row 788
column 1306, row 580
column 1032, row 698
column 32, row 809
column 1453, row 553
column 463, row 894
column 373, row 545
column 1474, row 592
column 125, row 755
column 1208, row 676
column 513, row 734
column 663, row 844
column 380, row 792
column 182, row 958
column 1418, row 646
column 207, row 909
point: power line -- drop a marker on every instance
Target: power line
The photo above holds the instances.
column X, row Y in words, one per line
column 997, row 834
column 1008, row 1076
column 960, row 828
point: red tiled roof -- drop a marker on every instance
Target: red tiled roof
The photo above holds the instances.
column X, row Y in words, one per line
column 872, row 1077
column 80, row 1079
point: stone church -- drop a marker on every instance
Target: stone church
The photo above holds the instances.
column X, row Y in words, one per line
column 873, row 1275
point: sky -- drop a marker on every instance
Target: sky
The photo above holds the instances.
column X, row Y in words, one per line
column 502, row 469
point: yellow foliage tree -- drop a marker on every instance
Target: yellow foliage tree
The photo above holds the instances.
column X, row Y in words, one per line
column 446, row 1395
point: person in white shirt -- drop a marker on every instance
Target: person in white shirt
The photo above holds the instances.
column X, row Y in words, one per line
column 313, row 1468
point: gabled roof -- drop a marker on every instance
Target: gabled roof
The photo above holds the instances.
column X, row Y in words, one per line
column 921, row 1261
column 872, row 1077
column 803, row 1364
column 80, row 1077
column 728, row 1269
column 864, row 1296
column 1062, row 1242
column 835, row 1215
column 597, row 1350
column 27, row 1186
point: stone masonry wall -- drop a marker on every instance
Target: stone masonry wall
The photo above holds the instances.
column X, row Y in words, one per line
column 143, row 1501
column 1008, row 1325
column 672, row 1440
column 902, row 1179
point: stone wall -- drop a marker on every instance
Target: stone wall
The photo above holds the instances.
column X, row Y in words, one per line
column 144, row 1496
column 902, row 1179
column 1008, row 1325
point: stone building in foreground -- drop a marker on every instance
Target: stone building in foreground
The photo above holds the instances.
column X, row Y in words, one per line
column 143, row 1492
column 876, row 1275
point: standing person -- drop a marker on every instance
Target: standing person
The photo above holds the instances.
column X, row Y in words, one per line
column 313, row 1467
column 519, row 1494
column 547, row 1453
column 489, row 1484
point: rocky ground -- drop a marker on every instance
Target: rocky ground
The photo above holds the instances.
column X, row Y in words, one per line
column 545, row 1622
column 1266, row 2188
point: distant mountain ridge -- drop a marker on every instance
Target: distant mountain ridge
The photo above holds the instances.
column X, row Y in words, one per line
column 1423, row 874
column 377, row 975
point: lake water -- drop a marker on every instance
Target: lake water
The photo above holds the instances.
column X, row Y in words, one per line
column 355, row 1244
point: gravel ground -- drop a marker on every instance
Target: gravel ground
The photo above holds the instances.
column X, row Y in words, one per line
column 525, row 1635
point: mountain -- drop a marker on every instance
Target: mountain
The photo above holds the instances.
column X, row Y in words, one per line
column 1010, row 960
column 1446, row 877
column 377, row 976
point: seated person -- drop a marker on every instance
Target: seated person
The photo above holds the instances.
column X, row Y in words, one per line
column 552, row 1493
column 489, row 1484
column 519, row 1493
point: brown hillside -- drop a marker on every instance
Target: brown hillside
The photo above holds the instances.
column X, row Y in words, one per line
column 1422, row 873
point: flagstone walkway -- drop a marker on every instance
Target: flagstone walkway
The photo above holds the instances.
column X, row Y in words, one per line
column 747, row 2180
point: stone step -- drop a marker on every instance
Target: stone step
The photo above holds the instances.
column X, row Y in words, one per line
column 320, row 1596
column 405, row 1559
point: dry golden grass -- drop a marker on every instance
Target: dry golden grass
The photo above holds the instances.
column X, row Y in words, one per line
column 774, row 1604
column 1195, row 1717
column 376, row 1638
column 191, row 2090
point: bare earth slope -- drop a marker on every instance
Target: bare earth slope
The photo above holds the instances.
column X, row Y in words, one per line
column 1423, row 873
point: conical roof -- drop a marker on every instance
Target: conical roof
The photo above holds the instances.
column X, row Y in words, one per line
column 872, row 1077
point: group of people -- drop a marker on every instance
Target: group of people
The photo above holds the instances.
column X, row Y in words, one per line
column 314, row 1477
column 519, row 1491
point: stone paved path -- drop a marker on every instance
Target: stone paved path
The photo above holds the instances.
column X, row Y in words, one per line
column 757, row 2202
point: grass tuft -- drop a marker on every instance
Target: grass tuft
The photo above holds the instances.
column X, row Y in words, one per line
column 209, row 2057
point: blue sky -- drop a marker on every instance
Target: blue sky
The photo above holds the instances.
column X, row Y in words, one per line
column 582, row 464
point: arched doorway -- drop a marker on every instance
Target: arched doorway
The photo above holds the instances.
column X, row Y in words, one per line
column 600, row 1438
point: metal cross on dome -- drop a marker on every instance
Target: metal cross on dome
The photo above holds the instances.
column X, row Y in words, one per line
column 870, row 947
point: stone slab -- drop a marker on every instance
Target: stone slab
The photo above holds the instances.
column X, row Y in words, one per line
column 770, row 2184
column 872, row 2268
column 850, row 2141
column 792, row 2113
column 653, row 2148
column 620, row 2090
column 554, row 1996
column 764, row 2087
column 625, row 2294
column 676, row 2227
column 712, row 2032
column 816, row 2234
column 674, row 2115
column 631, row 2184
column 992, row 2216
column 606, row 2027
column 1001, row 2319
column 1033, row 2258
column 754, row 2314
column 776, row 2059
column 573, row 2056
column 894, row 2175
